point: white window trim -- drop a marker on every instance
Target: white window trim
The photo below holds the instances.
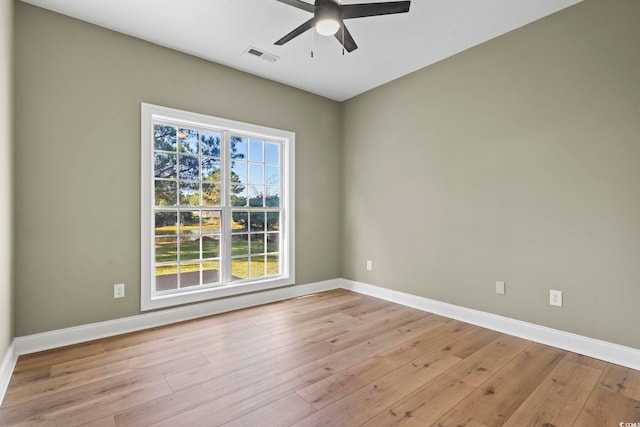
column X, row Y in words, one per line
column 148, row 301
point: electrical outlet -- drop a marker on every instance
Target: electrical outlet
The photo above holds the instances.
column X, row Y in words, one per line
column 369, row 265
column 118, row 290
column 555, row 298
column 500, row 288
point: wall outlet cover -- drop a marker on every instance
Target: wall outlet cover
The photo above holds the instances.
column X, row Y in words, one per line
column 555, row 298
column 118, row 290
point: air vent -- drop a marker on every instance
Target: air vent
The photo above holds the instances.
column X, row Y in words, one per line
column 261, row 54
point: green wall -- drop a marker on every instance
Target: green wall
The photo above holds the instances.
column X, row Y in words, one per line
column 518, row 160
column 6, row 182
column 78, row 94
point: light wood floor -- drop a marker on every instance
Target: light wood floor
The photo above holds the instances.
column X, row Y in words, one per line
column 336, row 358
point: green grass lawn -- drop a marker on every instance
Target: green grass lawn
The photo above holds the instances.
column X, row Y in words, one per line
column 250, row 266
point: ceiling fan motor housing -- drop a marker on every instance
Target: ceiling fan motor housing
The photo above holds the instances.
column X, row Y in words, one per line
column 329, row 14
column 327, row 9
column 327, row 17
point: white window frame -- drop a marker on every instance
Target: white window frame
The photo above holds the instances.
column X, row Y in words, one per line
column 149, row 300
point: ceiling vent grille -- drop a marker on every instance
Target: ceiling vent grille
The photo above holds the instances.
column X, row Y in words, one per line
column 270, row 57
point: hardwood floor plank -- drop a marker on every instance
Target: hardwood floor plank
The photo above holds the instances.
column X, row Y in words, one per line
column 225, row 408
column 586, row 360
column 335, row 387
column 608, row 408
column 112, row 402
column 376, row 323
column 471, row 342
column 60, row 383
column 288, row 379
column 457, row 419
column 485, row 362
column 287, row 333
column 559, row 398
column 40, row 423
column 107, row 421
column 363, row 404
column 59, row 402
column 34, row 366
column 346, row 381
column 280, row 413
column 244, row 374
column 425, row 405
column 84, row 408
column 381, row 343
column 498, row 398
column 622, row 380
column 233, row 326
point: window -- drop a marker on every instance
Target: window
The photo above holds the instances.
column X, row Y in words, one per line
column 216, row 207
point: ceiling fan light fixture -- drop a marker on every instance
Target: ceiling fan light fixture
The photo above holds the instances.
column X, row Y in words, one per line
column 327, row 26
column 328, row 16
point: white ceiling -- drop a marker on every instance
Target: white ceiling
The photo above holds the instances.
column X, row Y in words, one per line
column 388, row 46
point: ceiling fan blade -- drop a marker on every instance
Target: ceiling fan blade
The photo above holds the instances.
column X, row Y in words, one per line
column 349, row 11
column 295, row 33
column 299, row 4
column 348, row 42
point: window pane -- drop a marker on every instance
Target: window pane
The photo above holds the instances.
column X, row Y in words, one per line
column 239, row 173
column 272, row 196
column 240, row 268
column 188, row 141
column 257, row 243
column 211, row 194
column 189, row 247
column 211, row 246
column 257, row 221
column 166, row 193
column 165, row 223
column 190, row 222
column 211, row 272
column 273, row 265
column 256, row 173
column 189, row 168
column 271, row 153
column 256, row 196
column 210, row 170
column 189, row 193
column 166, row 249
column 189, row 274
column 240, row 221
column 272, row 175
column 257, row 266
column 273, row 221
column 255, row 151
column 273, row 242
column 164, row 165
column 238, row 195
column 166, row 277
column 238, row 148
column 210, row 222
column 164, row 137
column 240, row 244
column 210, row 144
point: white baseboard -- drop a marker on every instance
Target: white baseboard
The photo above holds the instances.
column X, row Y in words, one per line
column 609, row 352
column 6, row 368
column 78, row 334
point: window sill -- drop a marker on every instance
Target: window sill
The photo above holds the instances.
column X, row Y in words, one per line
column 172, row 300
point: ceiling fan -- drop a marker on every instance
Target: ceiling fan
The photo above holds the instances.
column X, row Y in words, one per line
column 328, row 18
